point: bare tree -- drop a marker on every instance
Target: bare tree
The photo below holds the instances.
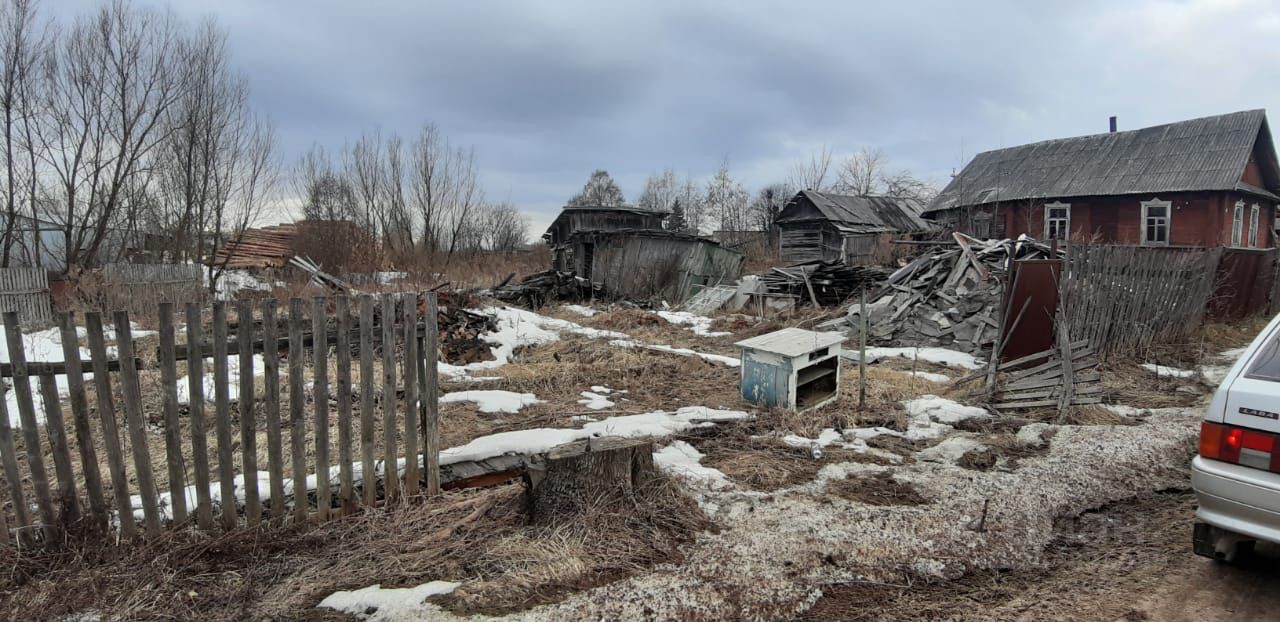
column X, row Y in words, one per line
column 326, row 193
column 860, row 174
column 811, row 173
column 726, row 200
column 22, row 45
column 660, row 192
column 692, row 203
column 365, row 168
column 504, row 226
column 766, row 206
column 599, row 191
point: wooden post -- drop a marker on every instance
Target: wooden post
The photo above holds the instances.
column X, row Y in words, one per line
column 172, row 426
column 346, row 490
column 107, row 418
column 248, row 427
column 54, row 425
column 9, row 455
column 368, row 476
column 131, row 390
column 271, row 402
column 411, row 414
column 222, row 417
column 297, row 409
column 320, row 352
column 575, row 475
column 80, row 415
column 391, row 474
column 30, row 426
column 863, row 325
column 199, row 433
column 428, row 378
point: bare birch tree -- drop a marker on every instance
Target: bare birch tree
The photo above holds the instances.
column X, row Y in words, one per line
column 22, row 45
column 811, row 173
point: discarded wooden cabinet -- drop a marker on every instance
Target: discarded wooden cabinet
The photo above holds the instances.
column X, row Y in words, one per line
column 792, row 368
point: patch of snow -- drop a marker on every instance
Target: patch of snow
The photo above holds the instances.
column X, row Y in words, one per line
column 949, row 450
column 580, row 310
column 233, row 281
column 1124, row 411
column 682, row 460
column 870, row 433
column 931, row 416
column 603, row 390
column 595, row 401
column 44, row 346
column 825, row 438
column 209, row 389
column 1213, row 375
column 518, row 328
column 1170, row 372
column 700, row 325
column 941, row 356
column 1036, row 434
column 493, row 401
column 582, row 418
column 378, row 604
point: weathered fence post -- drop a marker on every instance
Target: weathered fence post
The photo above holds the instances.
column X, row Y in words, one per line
column 271, row 399
column 411, row 416
column 297, row 404
column 107, row 418
column 53, row 424
column 80, row 414
column 368, row 474
column 346, row 490
column 8, row 453
column 30, row 427
column 195, row 405
column 172, row 426
column 320, row 354
column 391, row 471
column 248, row 428
column 222, row 417
column 131, row 390
column 429, row 410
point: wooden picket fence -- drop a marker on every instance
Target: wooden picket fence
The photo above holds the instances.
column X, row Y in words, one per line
column 386, row 427
column 25, row 291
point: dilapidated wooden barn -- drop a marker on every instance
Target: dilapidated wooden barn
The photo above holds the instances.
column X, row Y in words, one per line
column 837, row 227
column 626, row 252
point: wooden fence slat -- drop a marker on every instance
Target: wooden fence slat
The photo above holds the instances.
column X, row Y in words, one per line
column 346, row 495
column 410, row 366
column 9, row 455
column 80, row 418
column 368, row 478
column 172, row 425
column 430, row 394
column 297, row 403
column 57, row 431
column 248, row 428
column 271, row 398
column 222, row 417
column 199, row 431
column 110, row 431
column 30, row 427
column 136, row 424
column 390, row 456
column 320, row 381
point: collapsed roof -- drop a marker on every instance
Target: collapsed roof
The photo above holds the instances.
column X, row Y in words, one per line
column 862, row 214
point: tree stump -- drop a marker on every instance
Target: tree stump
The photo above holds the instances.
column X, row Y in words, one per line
column 587, row 475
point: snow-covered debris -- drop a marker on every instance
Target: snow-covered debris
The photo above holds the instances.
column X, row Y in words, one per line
column 1168, row 372
column 949, row 450
column 233, row 281
column 931, row 377
column 595, row 401
column 518, row 328
column 580, row 310
column 941, row 356
column 931, row 416
column 700, row 325
column 378, row 604
column 656, row 424
column 728, row 361
column 683, row 460
column 493, row 401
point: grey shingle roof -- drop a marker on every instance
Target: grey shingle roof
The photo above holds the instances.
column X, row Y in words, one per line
column 1199, row 154
column 869, row 212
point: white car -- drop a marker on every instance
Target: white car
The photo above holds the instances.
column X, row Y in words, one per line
column 1236, row 475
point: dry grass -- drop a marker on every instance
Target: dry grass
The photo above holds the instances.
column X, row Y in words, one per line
column 878, row 489
column 481, row 538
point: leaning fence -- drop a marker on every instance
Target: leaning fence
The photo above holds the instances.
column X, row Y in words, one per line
column 1122, row 299
column 25, row 291
column 159, row 451
column 143, row 286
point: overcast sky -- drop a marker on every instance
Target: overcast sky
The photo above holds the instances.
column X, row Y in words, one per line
column 548, row 91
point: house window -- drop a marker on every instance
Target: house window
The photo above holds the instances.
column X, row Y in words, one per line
column 1057, row 221
column 1255, row 236
column 1155, row 222
column 1237, row 224
column 982, row 225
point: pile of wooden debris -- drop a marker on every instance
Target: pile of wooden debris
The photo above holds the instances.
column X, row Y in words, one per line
column 540, row 288
column 948, row 297
column 822, row 283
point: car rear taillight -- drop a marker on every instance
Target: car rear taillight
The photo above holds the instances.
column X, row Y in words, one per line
column 1242, row 446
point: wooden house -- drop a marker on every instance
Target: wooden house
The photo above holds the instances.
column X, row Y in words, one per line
column 1205, row 182
column 626, row 252
column 850, row 229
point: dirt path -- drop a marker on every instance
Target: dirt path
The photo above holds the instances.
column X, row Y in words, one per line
column 1130, row 560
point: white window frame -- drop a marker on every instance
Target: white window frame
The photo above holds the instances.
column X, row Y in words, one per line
column 1066, row 222
column 1237, row 225
column 1168, row 222
column 1255, row 214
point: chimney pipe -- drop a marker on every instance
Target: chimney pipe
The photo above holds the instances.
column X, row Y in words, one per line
column 1113, row 124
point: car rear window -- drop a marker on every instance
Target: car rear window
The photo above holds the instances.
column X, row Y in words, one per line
column 1266, row 364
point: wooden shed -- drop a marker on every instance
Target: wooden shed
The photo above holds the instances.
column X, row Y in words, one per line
column 851, row 229
column 644, row 263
